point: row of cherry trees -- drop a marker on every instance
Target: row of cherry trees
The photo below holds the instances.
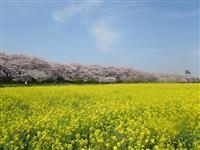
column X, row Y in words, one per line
column 20, row 68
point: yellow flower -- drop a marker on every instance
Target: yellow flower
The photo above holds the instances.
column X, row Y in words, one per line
column 115, row 148
column 152, row 141
column 107, row 145
column 114, row 138
column 91, row 116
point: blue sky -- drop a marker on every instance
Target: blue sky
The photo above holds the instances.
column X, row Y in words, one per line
column 156, row 36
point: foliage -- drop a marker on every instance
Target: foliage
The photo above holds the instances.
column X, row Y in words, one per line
column 117, row 116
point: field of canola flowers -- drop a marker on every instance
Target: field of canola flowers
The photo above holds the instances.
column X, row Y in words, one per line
column 117, row 116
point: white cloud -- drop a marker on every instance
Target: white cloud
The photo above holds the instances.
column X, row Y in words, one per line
column 65, row 14
column 105, row 36
column 100, row 28
column 72, row 9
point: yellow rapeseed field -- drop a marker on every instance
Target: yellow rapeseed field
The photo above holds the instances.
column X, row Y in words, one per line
column 117, row 116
